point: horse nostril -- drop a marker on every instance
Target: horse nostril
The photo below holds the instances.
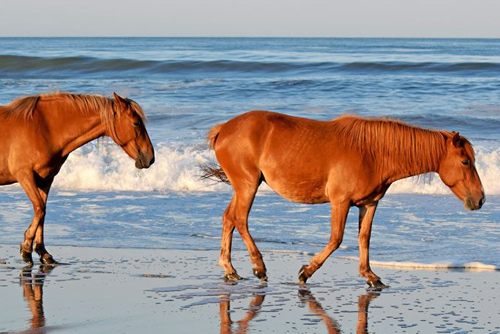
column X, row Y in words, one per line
column 152, row 161
column 482, row 201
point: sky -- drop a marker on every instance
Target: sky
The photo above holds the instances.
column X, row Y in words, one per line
column 251, row 18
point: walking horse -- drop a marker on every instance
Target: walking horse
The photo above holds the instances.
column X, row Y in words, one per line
column 348, row 161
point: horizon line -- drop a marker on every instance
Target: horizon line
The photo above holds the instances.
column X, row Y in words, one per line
column 250, row 37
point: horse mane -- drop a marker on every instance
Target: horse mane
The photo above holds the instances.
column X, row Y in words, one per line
column 22, row 107
column 25, row 107
column 394, row 143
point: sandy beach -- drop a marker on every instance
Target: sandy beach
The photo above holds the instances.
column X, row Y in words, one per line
column 112, row 290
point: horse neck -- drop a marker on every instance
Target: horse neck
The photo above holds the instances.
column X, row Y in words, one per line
column 70, row 128
column 412, row 157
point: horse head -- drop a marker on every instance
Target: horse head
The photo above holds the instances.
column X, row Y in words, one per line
column 458, row 171
column 129, row 131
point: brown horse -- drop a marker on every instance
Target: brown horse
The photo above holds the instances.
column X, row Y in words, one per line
column 349, row 161
column 39, row 132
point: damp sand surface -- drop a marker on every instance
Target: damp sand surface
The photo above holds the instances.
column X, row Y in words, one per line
column 136, row 290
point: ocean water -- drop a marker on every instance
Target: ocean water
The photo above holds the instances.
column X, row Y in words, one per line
column 187, row 85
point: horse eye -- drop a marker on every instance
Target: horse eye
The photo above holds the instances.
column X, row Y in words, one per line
column 465, row 162
column 137, row 124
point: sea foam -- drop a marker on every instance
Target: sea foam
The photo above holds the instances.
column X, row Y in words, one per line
column 104, row 166
column 457, row 265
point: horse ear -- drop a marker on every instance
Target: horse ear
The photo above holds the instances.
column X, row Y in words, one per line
column 457, row 140
column 120, row 100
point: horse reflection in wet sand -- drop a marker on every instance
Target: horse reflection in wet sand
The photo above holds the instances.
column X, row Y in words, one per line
column 306, row 297
column 39, row 132
column 32, row 284
column 332, row 326
column 243, row 324
column 349, row 161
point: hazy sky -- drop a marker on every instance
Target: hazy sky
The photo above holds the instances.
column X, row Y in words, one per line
column 289, row 18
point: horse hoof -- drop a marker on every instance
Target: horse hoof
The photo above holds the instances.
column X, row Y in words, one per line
column 260, row 275
column 302, row 275
column 234, row 277
column 26, row 257
column 48, row 260
column 378, row 285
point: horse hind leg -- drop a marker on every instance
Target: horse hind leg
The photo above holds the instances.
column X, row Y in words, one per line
column 226, row 244
column 236, row 215
column 241, row 222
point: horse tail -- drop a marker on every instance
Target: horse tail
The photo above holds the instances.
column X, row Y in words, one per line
column 214, row 171
column 213, row 134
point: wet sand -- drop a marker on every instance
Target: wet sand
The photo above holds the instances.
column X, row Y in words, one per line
column 170, row 291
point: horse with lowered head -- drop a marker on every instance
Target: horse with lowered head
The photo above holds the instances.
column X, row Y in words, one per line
column 348, row 161
column 38, row 134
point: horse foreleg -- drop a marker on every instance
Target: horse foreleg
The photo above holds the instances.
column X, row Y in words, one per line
column 339, row 216
column 27, row 182
column 39, row 245
column 366, row 214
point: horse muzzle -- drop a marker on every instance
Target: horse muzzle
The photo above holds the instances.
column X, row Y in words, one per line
column 472, row 205
column 144, row 161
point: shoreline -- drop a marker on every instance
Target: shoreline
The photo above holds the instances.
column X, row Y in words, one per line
column 131, row 290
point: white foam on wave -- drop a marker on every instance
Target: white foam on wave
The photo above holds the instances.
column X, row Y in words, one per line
column 104, row 166
column 457, row 265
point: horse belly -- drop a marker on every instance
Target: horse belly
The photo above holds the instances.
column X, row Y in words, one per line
column 6, row 178
column 315, row 196
column 300, row 190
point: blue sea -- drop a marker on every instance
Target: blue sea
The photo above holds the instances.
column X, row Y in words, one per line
column 187, row 85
